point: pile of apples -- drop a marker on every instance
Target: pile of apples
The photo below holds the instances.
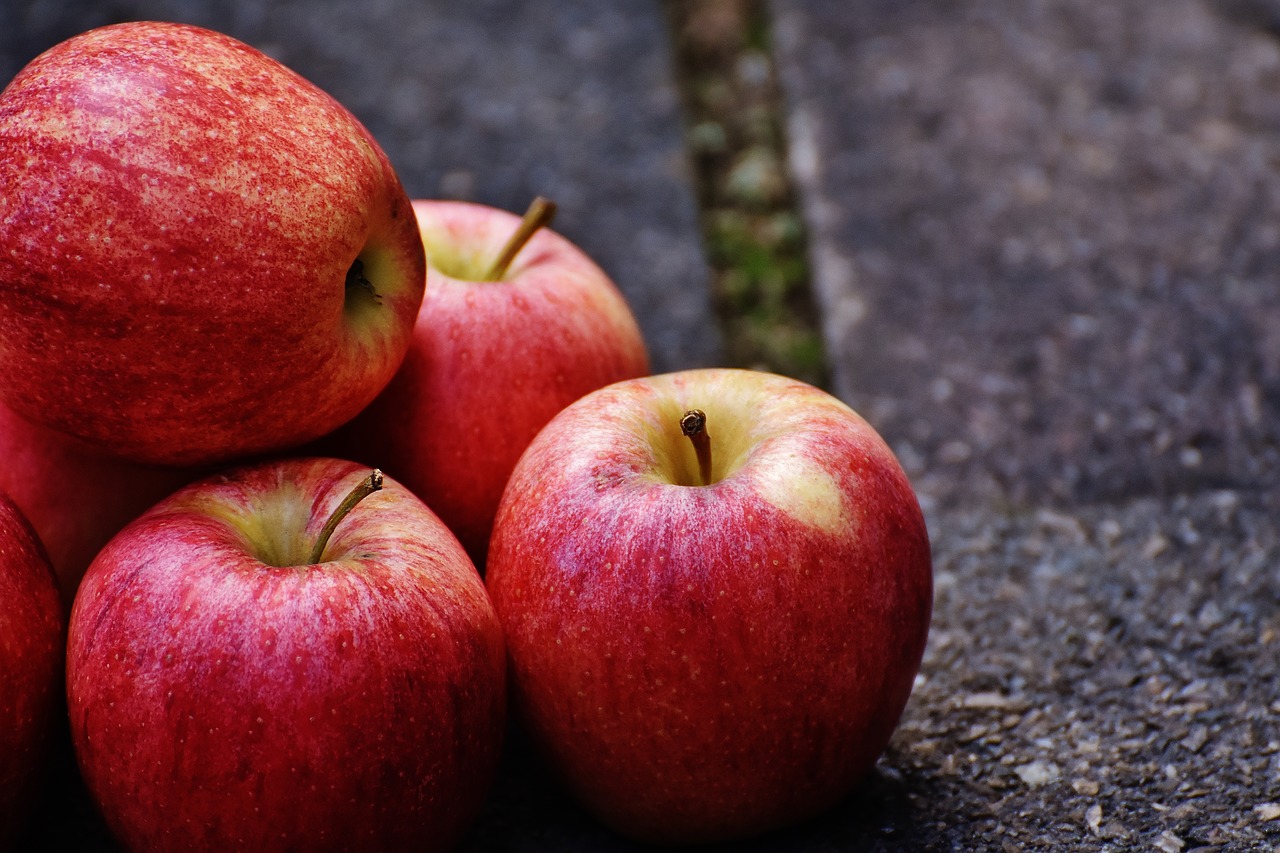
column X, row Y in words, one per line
column 314, row 489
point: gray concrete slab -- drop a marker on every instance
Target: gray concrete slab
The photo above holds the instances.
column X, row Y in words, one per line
column 496, row 102
column 1045, row 246
column 1045, row 238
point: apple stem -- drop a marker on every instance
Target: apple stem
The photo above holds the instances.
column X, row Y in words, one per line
column 539, row 215
column 693, row 423
column 366, row 487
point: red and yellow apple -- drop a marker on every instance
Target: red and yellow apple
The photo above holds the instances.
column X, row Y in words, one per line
column 516, row 324
column 31, row 654
column 202, row 254
column 265, row 660
column 716, row 587
column 74, row 497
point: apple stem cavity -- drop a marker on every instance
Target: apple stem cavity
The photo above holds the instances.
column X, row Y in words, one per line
column 366, row 487
column 356, row 278
column 693, row 423
column 539, row 215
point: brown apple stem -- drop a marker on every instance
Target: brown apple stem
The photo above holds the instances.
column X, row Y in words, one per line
column 693, row 423
column 366, row 487
column 539, row 215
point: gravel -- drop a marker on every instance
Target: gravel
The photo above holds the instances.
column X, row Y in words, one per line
column 1101, row 679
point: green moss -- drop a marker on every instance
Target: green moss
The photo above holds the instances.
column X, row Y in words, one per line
column 754, row 237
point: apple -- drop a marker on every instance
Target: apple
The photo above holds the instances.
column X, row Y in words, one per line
column 259, row 662
column 75, row 497
column 203, row 256
column 516, row 324
column 715, row 587
column 31, row 652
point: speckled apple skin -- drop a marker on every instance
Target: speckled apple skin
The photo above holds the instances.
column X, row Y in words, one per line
column 178, row 214
column 32, row 631
column 705, row 663
column 491, row 363
column 220, row 703
column 75, row 497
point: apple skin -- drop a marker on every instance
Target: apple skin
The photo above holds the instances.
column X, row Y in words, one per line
column 178, row 217
column 222, row 701
column 32, row 632
column 707, row 663
column 75, row 498
column 491, row 363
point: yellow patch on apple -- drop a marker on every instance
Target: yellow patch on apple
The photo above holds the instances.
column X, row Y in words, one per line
column 804, row 491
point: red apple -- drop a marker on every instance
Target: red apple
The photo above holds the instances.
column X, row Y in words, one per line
column 74, row 497
column 31, row 650
column 707, row 655
column 495, row 355
column 235, row 683
column 202, row 255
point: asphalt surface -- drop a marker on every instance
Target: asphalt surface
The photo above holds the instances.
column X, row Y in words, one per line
column 1044, row 242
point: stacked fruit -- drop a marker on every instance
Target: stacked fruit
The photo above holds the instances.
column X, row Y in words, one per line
column 708, row 591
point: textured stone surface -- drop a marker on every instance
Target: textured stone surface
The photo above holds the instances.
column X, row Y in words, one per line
column 1045, row 236
column 1045, row 244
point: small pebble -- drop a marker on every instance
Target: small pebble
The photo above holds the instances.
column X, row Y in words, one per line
column 1037, row 773
column 1267, row 811
column 1086, row 787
